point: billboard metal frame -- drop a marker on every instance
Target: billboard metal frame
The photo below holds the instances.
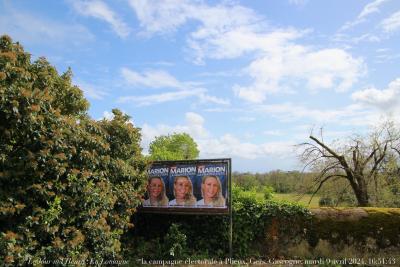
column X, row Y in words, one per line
column 196, row 210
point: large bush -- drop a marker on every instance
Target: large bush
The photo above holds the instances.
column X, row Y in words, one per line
column 68, row 184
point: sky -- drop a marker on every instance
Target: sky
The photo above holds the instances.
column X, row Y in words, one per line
column 248, row 80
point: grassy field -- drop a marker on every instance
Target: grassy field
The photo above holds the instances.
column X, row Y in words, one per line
column 299, row 199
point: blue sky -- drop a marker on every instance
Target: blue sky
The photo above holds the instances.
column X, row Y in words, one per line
column 246, row 79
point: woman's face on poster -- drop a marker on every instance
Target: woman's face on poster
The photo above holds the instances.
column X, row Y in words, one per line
column 182, row 187
column 155, row 187
column 210, row 187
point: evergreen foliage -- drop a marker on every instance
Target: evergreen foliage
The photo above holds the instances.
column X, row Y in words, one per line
column 68, row 183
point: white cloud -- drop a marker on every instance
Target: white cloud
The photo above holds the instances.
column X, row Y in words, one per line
column 204, row 98
column 391, row 23
column 382, row 50
column 368, row 9
column 353, row 115
column 154, row 99
column 279, row 71
column 160, row 98
column 280, row 61
column 29, row 28
column 166, row 16
column 289, row 112
column 386, row 100
column 100, row 10
column 371, row 8
column 240, row 40
column 194, row 118
column 365, row 37
column 282, row 149
column 107, row 115
column 230, row 146
column 162, row 79
column 152, row 79
column 273, row 132
column 245, row 119
column 194, row 126
column 92, row 91
column 385, row 56
column 210, row 147
column 298, row 2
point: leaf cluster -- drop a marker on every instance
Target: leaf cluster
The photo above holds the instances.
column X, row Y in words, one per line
column 178, row 146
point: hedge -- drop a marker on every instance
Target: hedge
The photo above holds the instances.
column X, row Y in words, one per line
column 266, row 229
column 356, row 226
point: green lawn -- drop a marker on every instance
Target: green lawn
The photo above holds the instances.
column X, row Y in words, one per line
column 299, row 199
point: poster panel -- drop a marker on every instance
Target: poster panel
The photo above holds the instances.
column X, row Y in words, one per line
column 190, row 186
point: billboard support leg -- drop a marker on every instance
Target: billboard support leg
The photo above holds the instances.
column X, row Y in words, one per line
column 230, row 214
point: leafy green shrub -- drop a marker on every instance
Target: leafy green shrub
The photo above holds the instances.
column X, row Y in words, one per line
column 287, row 224
column 175, row 243
column 268, row 192
column 249, row 222
column 68, row 184
column 205, row 236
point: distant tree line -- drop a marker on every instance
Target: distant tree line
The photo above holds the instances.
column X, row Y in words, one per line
column 333, row 193
column 280, row 181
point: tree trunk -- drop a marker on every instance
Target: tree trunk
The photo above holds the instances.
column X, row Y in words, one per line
column 361, row 193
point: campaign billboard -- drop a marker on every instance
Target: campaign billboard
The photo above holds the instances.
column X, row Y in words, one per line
column 188, row 186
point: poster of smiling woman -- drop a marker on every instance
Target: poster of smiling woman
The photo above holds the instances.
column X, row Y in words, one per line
column 211, row 180
column 157, row 183
column 190, row 186
column 181, row 179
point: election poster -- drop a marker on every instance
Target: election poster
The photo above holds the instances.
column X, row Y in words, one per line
column 190, row 186
column 157, row 184
column 211, row 185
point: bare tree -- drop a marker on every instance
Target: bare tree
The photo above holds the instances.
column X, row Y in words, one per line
column 359, row 160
